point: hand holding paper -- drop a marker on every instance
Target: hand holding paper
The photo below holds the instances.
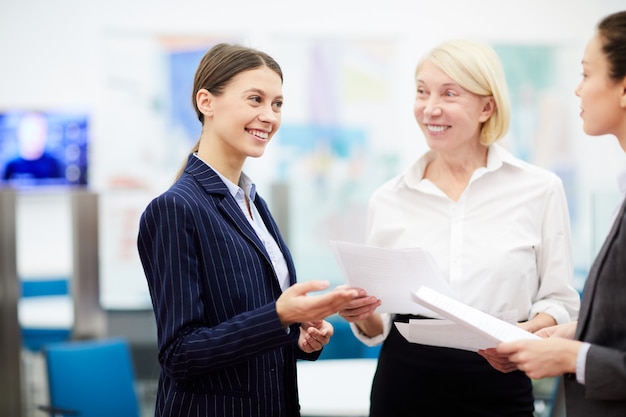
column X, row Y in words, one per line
column 390, row 274
column 484, row 325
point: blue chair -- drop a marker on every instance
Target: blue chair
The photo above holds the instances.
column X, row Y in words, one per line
column 38, row 294
column 93, row 378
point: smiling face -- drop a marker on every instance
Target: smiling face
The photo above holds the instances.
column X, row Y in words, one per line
column 601, row 99
column 450, row 116
column 241, row 120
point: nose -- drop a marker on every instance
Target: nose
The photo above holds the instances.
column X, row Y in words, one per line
column 431, row 106
column 268, row 115
column 578, row 87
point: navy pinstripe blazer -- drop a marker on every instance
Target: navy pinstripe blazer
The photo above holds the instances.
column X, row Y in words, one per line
column 222, row 348
column 602, row 323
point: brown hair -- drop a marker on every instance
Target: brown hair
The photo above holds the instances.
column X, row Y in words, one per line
column 218, row 67
column 612, row 31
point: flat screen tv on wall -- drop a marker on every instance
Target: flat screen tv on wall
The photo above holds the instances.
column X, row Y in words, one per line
column 43, row 148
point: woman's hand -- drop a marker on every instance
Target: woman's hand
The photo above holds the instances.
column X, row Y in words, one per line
column 565, row 331
column 362, row 312
column 542, row 358
column 315, row 335
column 295, row 305
column 540, row 321
column 538, row 358
column 359, row 308
column 499, row 361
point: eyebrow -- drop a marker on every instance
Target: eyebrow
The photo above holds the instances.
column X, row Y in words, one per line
column 260, row 92
column 443, row 85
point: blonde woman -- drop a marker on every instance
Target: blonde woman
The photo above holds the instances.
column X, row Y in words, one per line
column 497, row 227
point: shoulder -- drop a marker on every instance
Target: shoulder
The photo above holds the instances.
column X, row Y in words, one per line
column 184, row 191
column 388, row 190
column 183, row 198
column 392, row 183
column 527, row 172
column 410, row 177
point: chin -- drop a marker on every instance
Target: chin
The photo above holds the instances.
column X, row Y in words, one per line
column 256, row 154
column 592, row 132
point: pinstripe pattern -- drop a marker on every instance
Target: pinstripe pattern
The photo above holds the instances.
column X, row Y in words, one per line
column 222, row 349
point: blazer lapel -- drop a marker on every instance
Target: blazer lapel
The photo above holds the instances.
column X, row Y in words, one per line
column 213, row 184
column 592, row 277
column 229, row 207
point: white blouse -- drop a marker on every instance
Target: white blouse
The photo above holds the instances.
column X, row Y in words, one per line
column 504, row 246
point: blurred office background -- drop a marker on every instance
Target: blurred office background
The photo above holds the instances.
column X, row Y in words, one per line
column 127, row 67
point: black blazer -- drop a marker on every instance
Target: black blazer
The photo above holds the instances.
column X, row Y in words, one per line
column 222, row 349
column 602, row 322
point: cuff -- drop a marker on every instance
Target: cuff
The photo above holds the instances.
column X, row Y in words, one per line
column 581, row 362
column 376, row 340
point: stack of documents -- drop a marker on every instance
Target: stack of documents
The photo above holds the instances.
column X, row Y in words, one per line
column 390, row 274
column 466, row 328
column 408, row 281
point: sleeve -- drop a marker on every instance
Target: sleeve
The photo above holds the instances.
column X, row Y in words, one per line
column 376, row 340
column 581, row 362
column 605, row 374
column 605, row 369
column 192, row 341
column 556, row 294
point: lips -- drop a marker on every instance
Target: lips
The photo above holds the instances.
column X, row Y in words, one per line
column 258, row 133
column 437, row 128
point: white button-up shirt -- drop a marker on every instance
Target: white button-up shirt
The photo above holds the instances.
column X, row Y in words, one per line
column 505, row 245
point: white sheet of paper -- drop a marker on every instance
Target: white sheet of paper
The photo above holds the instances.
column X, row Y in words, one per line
column 445, row 333
column 485, row 327
column 392, row 275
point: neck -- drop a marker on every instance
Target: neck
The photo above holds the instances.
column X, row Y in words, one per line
column 230, row 167
column 452, row 173
column 460, row 164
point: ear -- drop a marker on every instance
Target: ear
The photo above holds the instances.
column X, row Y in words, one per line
column 204, row 102
column 489, row 107
column 622, row 93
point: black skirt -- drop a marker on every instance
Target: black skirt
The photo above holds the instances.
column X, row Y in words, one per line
column 419, row 380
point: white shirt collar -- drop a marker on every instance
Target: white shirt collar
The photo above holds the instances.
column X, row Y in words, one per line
column 245, row 183
column 496, row 157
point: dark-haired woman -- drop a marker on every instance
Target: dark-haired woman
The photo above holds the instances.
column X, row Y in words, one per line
column 592, row 352
column 231, row 319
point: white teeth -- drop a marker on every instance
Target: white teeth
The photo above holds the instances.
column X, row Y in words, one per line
column 433, row 128
column 262, row 135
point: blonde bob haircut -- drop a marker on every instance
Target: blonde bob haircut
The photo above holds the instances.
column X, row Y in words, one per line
column 477, row 68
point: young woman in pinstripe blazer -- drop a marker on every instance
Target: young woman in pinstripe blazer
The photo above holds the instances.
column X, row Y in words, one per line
column 231, row 319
